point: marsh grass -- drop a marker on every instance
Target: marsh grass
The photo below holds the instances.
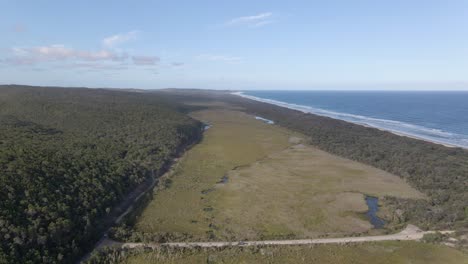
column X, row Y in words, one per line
column 251, row 180
column 301, row 192
column 377, row 253
column 234, row 140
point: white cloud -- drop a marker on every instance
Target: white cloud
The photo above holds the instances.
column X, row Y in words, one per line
column 224, row 58
column 120, row 38
column 252, row 21
column 97, row 66
column 61, row 53
column 62, row 56
column 145, row 60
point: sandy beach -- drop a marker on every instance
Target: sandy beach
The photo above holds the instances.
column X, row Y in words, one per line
column 299, row 108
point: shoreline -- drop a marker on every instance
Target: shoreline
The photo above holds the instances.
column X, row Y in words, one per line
column 290, row 106
column 418, row 138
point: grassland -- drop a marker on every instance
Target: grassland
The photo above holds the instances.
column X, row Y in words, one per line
column 251, row 180
column 376, row 253
column 233, row 140
column 301, row 192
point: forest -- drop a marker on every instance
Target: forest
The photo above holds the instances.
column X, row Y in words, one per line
column 438, row 171
column 69, row 155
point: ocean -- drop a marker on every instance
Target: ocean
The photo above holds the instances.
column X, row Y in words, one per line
column 436, row 116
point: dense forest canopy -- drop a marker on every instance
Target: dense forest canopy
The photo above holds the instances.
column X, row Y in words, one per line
column 438, row 171
column 67, row 156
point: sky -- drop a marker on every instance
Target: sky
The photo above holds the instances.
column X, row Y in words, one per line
column 239, row 45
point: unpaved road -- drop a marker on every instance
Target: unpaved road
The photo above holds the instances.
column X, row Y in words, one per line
column 411, row 232
column 121, row 210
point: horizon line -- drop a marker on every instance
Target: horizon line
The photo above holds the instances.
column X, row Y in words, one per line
column 254, row 89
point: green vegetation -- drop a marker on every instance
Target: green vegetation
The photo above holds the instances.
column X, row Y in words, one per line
column 68, row 156
column 440, row 172
column 434, row 238
column 185, row 208
column 377, row 253
column 300, row 192
column 280, row 196
column 248, row 180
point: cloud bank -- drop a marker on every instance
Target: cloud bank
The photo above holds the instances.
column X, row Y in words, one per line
column 59, row 52
column 107, row 57
column 60, row 56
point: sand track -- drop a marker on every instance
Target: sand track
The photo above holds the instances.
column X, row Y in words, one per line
column 411, row 232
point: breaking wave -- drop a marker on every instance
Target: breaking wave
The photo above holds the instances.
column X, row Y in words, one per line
column 428, row 134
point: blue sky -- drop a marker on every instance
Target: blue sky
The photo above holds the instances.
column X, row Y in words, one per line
column 236, row 44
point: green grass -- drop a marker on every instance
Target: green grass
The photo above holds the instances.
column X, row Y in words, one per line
column 300, row 192
column 235, row 139
column 376, row 253
column 276, row 188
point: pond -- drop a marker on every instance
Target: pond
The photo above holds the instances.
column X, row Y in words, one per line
column 224, row 180
column 373, row 205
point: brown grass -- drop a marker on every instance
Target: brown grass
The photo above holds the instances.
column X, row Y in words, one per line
column 301, row 192
column 276, row 188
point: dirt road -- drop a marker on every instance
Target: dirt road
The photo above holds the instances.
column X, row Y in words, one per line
column 409, row 233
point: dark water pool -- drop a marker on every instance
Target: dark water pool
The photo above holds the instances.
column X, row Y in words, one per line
column 224, row 180
column 373, row 205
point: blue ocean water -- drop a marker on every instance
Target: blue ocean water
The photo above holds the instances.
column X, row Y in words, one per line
column 437, row 116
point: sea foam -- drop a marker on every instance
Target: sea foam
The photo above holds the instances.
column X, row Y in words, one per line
column 398, row 127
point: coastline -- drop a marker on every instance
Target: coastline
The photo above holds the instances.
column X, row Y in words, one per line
column 418, row 138
column 303, row 109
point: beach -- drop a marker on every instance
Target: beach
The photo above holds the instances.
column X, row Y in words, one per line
column 352, row 119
